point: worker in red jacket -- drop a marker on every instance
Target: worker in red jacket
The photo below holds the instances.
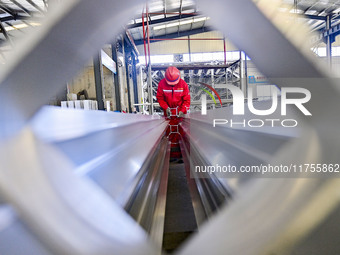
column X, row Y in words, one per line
column 173, row 92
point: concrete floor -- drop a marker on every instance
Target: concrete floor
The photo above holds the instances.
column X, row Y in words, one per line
column 179, row 215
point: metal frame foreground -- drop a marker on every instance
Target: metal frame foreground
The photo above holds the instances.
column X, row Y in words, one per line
column 59, row 211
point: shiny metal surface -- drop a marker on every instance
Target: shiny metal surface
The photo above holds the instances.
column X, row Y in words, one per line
column 91, row 152
column 44, row 193
column 100, row 144
column 207, row 192
column 147, row 204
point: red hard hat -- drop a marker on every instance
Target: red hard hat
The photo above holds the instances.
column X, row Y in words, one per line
column 172, row 75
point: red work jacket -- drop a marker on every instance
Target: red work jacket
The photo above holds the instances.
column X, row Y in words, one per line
column 173, row 96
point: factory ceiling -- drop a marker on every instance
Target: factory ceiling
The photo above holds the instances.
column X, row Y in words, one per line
column 167, row 18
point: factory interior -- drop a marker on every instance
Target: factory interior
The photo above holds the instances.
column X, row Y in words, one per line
column 91, row 164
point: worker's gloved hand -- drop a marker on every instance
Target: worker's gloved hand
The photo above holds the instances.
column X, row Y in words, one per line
column 168, row 112
column 181, row 114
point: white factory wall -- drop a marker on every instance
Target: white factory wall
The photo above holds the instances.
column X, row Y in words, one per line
column 336, row 43
column 132, row 93
column 210, row 46
column 84, row 80
column 336, row 66
column 181, row 47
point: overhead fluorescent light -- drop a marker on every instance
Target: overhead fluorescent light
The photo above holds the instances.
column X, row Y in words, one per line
column 180, row 23
column 35, row 24
column 184, row 22
column 174, row 24
column 323, row 2
column 311, row 12
column 337, row 10
column 201, row 19
column 21, row 26
column 296, row 11
column 159, row 27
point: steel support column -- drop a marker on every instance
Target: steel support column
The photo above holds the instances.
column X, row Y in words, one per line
column 246, row 75
column 329, row 42
column 134, row 79
column 149, row 64
column 116, row 77
column 240, row 71
column 189, row 51
column 189, row 48
column 126, row 59
column 98, row 78
column 224, row 51
column 150, row 89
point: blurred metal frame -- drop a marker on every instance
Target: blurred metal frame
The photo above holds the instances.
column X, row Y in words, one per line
column 42, row 187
